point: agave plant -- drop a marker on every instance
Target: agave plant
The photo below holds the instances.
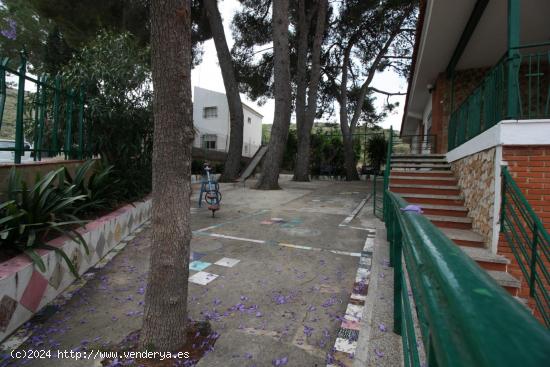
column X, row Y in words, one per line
column 98, row 187
column 31, row 216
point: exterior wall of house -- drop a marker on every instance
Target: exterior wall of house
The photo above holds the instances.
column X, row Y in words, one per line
column 476, row 178
column 252, row 133
column 218, row 127
column 465, row 82
column 530, row 167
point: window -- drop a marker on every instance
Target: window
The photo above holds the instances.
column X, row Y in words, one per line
column 249, row 120
column 210, row 112
column 209, row 141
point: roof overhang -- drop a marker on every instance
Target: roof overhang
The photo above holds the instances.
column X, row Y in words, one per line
column 444, row 22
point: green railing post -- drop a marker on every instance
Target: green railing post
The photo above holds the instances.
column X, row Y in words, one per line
column 397, row 277
column 41, row 118
column 81, row 124
column 374, row 196
column 3, row 94
column 55, row 129
column 387, row 168
column 533, row 265
column 503, row 202
column 513, row 58
column 68, row 124
column 19, row 143
column 36, row 112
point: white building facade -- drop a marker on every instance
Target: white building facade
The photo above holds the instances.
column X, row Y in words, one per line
column 212, row 123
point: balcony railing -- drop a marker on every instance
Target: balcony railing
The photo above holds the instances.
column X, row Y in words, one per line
column 492, row 100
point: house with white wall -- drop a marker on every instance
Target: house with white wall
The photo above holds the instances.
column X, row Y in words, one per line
column 212, row 124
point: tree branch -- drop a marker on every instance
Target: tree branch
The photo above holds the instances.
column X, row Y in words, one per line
column 387, row 93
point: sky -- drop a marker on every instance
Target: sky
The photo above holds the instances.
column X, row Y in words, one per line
column 208, row 75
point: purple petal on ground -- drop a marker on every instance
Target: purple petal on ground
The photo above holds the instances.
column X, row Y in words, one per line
column 378, row 353
column 413, row 209
column 382, row 327
column 258, row 314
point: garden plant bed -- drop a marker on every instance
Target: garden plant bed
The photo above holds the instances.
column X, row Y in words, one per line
column 25, row 289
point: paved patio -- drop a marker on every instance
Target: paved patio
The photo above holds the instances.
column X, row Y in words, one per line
column 282, row 276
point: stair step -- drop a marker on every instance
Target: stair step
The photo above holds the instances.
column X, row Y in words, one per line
column 486, row 259
column 446, row 210
column 443, row 221
column 443, row 166
column 464, row 237
column 424, row 189
column 404, row 173
column 419, row 156
column 505, row 280
column 419, row 160
column 433, row 187
column 423, row 178
column 433, row 199
column 524, row 302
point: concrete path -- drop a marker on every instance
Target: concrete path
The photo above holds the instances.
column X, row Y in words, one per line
column 273, row 272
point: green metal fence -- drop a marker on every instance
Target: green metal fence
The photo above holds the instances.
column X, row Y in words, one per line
column 378, row 196
column 517, row 87
column 378, row 190
column 529, row 242
column 49, row 118
column 447, row 309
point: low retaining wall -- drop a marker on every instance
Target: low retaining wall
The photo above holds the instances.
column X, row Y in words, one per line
column 24, row 289
column 28, row 171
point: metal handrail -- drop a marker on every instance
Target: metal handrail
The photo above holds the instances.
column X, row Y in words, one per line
column 387, row 171
column 529, row 242
column 378, row 196
column 465, row 318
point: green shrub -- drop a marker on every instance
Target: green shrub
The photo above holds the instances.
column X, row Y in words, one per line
column 377, row 147
column 218, row 167
column 93, row 179
column 32, row 216
column 196, row 167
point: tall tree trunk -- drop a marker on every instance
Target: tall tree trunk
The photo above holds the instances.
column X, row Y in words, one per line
column 165, row 316
column 281, row 87
column 232, row 165
column 350, row 162
column 305, row 120
column 301, row 167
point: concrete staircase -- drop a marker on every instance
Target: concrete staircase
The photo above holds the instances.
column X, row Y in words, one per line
column 427, row 181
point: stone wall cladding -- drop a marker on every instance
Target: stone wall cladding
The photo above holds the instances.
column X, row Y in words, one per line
column 476, row 178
